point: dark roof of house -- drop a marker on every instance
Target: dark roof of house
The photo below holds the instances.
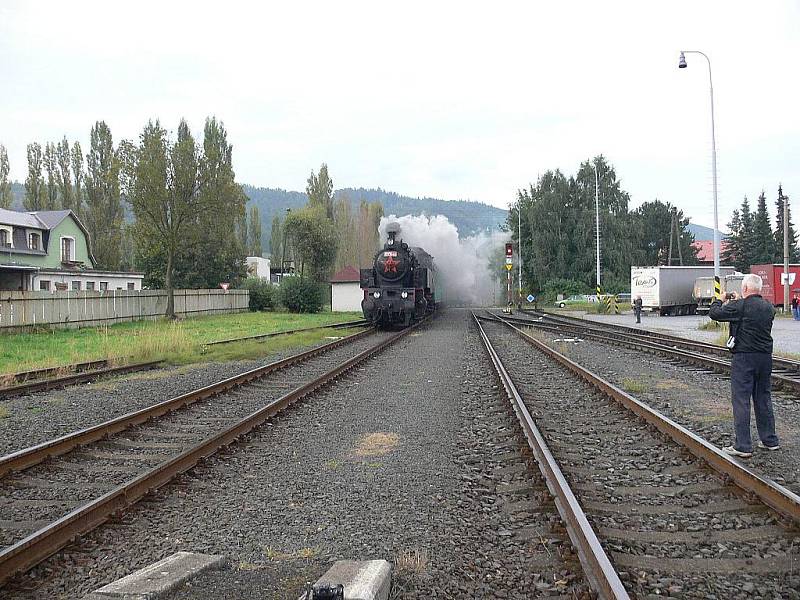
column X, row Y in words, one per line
column 51, row 218
column 347, row 275
column 20, row 219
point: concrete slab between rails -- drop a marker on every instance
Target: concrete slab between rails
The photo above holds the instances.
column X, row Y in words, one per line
column 362, row 580
column 158, row 579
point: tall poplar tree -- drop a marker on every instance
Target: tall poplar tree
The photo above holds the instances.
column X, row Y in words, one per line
column 762, row 237
column 76, row 160
column 103, row 215
column 5, row 184
column 276, row 242
column 35, row 192
column 319, row 190
column 255, row 232
column 51, row 168
column 64, row 178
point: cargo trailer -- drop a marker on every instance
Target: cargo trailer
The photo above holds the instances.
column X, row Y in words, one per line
column 704, row 290
column 668, row 290
column 772, row 290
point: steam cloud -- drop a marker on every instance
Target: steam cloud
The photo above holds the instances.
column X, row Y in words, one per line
column 462, row 264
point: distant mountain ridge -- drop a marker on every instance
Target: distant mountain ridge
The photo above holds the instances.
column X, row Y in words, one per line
column 468, row 216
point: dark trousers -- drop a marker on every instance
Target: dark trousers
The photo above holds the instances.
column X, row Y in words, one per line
column 638, row 312
column 750, row 377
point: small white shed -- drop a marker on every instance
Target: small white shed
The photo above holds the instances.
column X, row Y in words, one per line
column 258, row 266
column 346, row 294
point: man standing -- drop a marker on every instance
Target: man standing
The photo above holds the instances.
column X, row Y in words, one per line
column 795, row 308
column 637, row 308
column 750, row 321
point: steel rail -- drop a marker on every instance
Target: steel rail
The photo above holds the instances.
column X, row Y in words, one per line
column 49, row 371
column 80, row 377
column 345, row 324
column 41, row 544
column 771, row 493
column 781, row 362
column 596, row 564
column 714, row 364
column 28, row 457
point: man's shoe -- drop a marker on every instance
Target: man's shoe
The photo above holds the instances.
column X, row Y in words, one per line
column 734, row 452
column 763, row 446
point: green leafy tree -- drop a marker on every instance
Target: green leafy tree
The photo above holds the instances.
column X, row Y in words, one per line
column 313, row 238
column 276, row 241
column 5, row 184
column 103, row 214
column 653, row 228
column 255, row 232
column 35, row 190
column 794, row 255
column 319, row 190
column 163, row 190
column 76, row 160
column 50, row 162
column 64, row 176
column 301, row 295
column 763, row 238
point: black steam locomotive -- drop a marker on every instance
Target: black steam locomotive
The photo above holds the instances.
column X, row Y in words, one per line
column 400, row 287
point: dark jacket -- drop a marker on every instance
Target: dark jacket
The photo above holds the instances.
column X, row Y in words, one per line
column 751, row 322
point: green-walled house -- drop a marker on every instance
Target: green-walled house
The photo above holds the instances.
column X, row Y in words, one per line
column 51, row 251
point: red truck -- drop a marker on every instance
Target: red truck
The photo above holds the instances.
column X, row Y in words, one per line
column 771, row 276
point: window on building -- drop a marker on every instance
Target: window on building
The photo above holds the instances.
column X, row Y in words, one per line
column 67, row 249
column 131, row 286
column 90, row 286
column 5, row 239
column 44, row 285
column 76, row 285
column 34, row 241
column 103, row 285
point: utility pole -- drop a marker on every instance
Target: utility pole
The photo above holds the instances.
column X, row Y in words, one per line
column 597, row 226
column 785, row 249
column 519, row 246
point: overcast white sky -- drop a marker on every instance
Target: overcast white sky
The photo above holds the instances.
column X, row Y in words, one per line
column 458, row 100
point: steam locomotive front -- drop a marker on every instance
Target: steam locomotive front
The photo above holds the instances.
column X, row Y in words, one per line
column 389, row 294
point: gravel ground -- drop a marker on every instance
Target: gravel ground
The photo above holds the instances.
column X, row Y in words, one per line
column 401, row 459
column 784, row 331
column 42, row 416
column 695, row 398
column 671, row 526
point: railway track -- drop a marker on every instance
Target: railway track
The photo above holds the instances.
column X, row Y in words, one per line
column 51, row 378
column 53, row 493
column 652, row 509
column 785, row 373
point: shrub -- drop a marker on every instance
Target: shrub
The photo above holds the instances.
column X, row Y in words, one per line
column 298, row 294
column 262, row 294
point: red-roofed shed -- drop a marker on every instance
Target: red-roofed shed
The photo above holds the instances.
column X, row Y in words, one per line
column 705, row 250
column 346, row 294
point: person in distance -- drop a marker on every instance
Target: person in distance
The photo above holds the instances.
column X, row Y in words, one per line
column 750, row 341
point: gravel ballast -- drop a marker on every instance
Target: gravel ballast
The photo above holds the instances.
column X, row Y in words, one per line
column 411, row 457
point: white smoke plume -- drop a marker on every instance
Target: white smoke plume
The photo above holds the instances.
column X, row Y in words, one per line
column 462, row 264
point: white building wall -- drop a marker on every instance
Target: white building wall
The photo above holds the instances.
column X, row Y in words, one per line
column 346, row 297
column 115, row 281
column 258, row 266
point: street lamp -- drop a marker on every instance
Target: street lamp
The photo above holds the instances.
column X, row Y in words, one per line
column 682, row 65
column 597, row 225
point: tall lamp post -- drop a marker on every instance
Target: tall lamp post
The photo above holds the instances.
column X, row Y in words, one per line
column 597, row 227
column 682, row 65
column 519, row 246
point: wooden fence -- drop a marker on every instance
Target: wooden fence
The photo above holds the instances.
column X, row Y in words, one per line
column 19, row 310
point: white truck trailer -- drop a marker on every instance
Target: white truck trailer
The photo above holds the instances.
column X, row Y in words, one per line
column 668, row 290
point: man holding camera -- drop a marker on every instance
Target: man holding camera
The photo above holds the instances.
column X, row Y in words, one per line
column 750, row 341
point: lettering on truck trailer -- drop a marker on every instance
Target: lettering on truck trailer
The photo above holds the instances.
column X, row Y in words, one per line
column 644, row 283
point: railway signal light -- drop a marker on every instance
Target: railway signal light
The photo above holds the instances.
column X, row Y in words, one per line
column 509, row 249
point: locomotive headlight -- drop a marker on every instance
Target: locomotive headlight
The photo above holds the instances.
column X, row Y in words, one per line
column 376, row 295
column 404, row 295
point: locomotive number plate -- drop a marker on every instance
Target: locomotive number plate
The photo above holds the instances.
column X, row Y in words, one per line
column 390, row 253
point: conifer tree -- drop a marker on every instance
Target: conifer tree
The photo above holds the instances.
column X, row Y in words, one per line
column 794, row 255
column 762, row 237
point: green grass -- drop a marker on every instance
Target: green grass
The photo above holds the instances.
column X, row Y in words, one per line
column 633, row 385
column 177, row 342
column 712, row 325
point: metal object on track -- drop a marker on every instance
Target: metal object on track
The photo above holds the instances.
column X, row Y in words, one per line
column 41, row 544
column 595, row 561
column 771, row 493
